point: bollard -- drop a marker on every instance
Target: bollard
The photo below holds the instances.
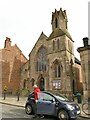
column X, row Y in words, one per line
column 18, row 97
column 4, row 95
column 18, row 94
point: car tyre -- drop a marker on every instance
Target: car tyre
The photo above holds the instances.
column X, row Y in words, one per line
column 63, row 115
column 28, row 109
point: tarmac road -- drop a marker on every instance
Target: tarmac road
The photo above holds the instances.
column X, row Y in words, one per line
column 18, row 113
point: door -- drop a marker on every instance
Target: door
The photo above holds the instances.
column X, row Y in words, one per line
column 46, row 104
column 42, row 84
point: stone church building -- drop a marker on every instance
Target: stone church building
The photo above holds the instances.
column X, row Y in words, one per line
column 52, row 64
column 85, row 65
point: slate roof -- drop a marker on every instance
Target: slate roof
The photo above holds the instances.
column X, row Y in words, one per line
column 59, row 32
column 77, row 61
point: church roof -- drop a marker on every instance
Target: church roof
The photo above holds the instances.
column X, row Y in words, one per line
column 42, row 36
column 77, row 61
column 59, row 32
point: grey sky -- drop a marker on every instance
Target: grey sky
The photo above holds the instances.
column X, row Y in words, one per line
column 24, row 20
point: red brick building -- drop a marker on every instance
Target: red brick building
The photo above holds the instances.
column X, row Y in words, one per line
column 11, row 61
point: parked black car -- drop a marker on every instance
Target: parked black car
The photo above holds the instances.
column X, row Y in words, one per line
column 54, row 105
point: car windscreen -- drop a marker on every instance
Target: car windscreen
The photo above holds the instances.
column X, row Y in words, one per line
column 61, row 98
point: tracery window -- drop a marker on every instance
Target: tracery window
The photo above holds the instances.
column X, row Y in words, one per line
column 41, row 59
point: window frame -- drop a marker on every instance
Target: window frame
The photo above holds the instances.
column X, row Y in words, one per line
column 57, row 71
column 41, row 63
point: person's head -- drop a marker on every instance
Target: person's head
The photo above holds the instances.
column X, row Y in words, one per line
column 35, row 86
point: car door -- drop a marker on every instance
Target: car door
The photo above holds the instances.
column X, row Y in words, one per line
column 46, row 104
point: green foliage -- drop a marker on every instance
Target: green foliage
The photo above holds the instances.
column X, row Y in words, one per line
column 5, row 88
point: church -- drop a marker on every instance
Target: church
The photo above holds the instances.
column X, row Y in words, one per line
column 52, row 64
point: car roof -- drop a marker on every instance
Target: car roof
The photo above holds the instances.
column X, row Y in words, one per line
column 48, row 92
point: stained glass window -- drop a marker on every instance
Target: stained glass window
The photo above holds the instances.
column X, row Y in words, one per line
column 41, row 59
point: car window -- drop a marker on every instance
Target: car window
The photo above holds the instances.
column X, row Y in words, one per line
column 45, row 96
column 31, row 96
column 62, row 98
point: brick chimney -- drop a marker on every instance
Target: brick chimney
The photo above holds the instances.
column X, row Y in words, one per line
column 7, row 42
column 85, row 41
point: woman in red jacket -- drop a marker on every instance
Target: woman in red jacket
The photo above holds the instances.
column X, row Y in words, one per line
column 36, row 91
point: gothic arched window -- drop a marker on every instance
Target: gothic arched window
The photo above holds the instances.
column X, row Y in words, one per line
column 57, row 70
column 58, row 44
column 56, row 23
column 24, row 83
column 41, row 59
column 53, row 45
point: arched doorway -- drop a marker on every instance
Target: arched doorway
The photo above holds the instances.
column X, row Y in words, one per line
column 41, row 82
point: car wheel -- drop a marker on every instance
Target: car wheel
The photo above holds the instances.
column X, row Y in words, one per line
column 28, row 109
column 63, row 115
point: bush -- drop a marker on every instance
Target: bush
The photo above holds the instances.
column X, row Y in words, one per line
column 25, row 92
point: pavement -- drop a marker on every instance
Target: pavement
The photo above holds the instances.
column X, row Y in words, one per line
column 13, row 100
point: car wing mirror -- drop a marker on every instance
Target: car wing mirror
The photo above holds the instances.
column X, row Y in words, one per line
column 57, row 103
column 52, row 100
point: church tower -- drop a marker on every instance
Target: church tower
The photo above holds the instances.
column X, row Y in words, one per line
column 60, row 54
column 59, row 20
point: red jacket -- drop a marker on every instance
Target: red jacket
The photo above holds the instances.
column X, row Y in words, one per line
column 36, row 90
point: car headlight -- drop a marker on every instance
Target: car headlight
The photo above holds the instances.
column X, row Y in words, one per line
column 70, row 107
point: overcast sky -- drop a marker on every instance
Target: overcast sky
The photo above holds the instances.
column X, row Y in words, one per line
column 24, row 20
